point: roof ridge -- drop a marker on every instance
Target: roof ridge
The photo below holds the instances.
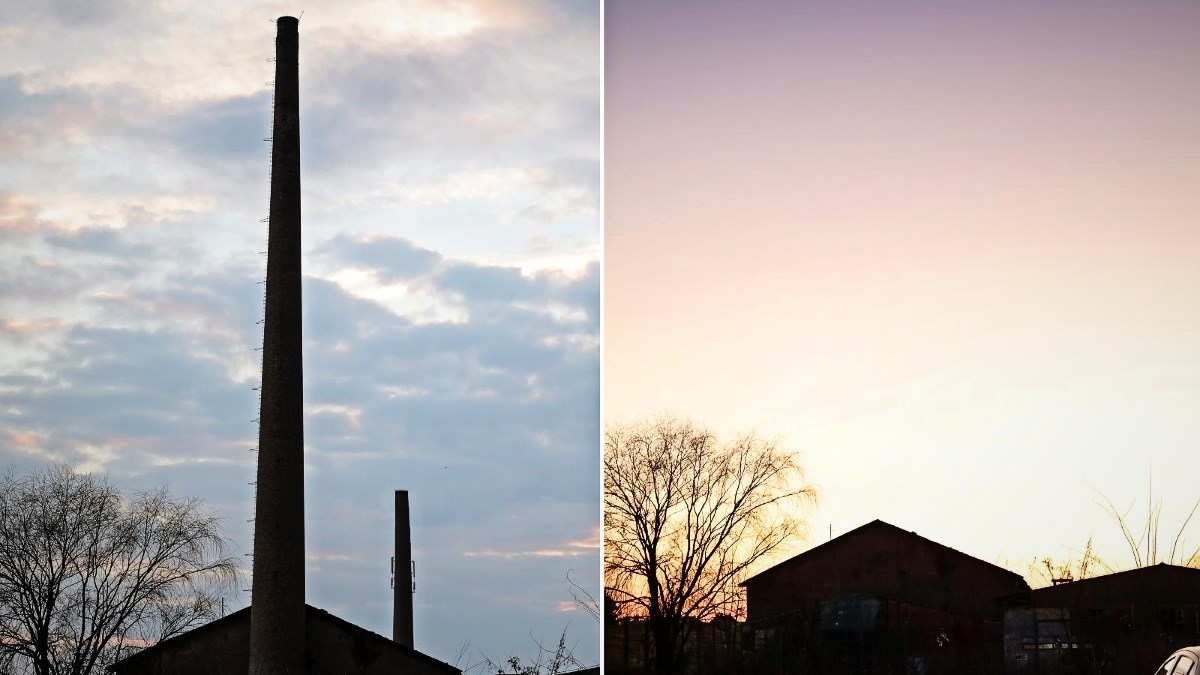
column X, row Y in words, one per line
column 309, row 610
column 876, row 522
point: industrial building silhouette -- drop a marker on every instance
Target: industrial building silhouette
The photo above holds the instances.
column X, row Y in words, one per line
column 882, row 599
column 279, row 633
column 877, row 599
column 1113, row 623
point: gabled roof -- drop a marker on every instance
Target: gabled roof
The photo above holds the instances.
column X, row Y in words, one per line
column 314, row 612
column 243, row 615
column 874, row 525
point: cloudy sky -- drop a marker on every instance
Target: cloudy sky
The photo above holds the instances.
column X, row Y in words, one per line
column 945, row 250
column 451, row 171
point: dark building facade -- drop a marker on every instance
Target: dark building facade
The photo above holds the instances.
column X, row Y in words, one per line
column 711, row 647
column 879, row 599
column 1116, row 623
column 332, row 646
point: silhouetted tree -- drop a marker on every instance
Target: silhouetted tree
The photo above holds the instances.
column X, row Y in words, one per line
column 87, row 576
column 1144, row 546
column 1042, row 572
column 548, row 661
column 685, row 515
column 1144, row 542
column 584, row 599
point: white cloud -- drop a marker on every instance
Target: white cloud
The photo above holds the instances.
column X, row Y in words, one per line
column 451, row 190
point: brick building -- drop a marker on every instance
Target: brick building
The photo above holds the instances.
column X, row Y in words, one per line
column 1116, row 623
column 879, row 599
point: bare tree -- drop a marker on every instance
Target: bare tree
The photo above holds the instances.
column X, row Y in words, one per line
column 584, row 599
column 685, row 517
column 1042, row 572
column 87, row 576
column 1144, row 546
column 1144, row 542
column 547, row 662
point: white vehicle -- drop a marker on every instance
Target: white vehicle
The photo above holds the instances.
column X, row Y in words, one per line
column 1182, row 662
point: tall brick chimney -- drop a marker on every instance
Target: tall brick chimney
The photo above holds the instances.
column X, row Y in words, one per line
column 277, row 630
column 402, row 589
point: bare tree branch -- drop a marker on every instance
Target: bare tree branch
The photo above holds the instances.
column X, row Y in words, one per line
column 1143, row 548
column 1149, row 538
column 583, row 598
column 88, row 576
column 685, row 517
column 547, row 662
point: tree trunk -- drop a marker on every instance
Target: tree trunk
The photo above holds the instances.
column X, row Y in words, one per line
column 664, row 632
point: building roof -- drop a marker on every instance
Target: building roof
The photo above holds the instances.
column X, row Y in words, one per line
column 229, row 620
column 1139, row 584
column 873, row 526
column 1159, row 569
column 243, row 616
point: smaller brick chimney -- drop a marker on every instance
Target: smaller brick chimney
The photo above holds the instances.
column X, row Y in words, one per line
column 402, row 585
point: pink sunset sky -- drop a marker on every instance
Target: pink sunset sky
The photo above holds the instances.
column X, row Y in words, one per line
column 948, row 251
